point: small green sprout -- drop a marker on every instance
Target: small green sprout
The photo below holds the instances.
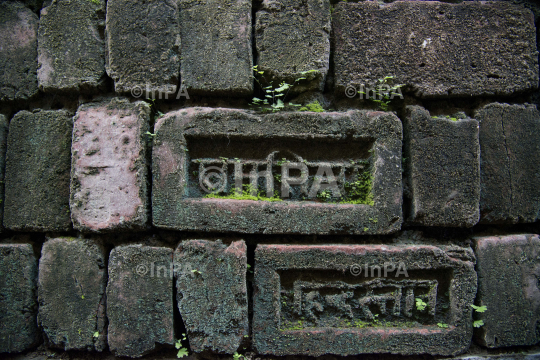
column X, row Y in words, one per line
column 96, row 334
column 442, row 325
column 420, row 304
column 195, row 271
column 478, row 323
column 237, row 356
column 479, row 309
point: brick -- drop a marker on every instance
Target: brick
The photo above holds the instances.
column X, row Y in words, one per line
column 308, row 301
column 484, row 48
column 71, row 293
column 38, row 162
column 71, row 52
column 291, row 38
column 139, row 299
column 143, row 40
column 443, row 169
column 18, row 51
column 109, row 188
column 510, row 163
column 217, row 54
column 4, row 125
column 196, row 147
column 508, row 270
column 212, row 294
column 18, row 308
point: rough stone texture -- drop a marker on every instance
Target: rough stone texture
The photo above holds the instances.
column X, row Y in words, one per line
column 18, row 306
column 71, row 293
column 293, row 37
column 212, row 294
column 71, row 49
column 38, row 160
column 196, row 141
column 508, row 271
column 510, row 163
column 139, row 299
column 143, row 46
column 109, row 176
column 4, row 125
column 443, row 169
column 471, row 48
column 308, row 301
column 18, row 51
column 217, row 56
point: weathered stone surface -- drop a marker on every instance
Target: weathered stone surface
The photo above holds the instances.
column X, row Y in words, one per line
column 143, row 44
column 510, row 163
column 71, row 51
column 18, row 305
column 443, row 169
column 109, row 178
column 212, row 294
column 139, row 299
column 196, row 147
column 217, row 56
column 508, row 271
column 293, row 37
column 307, row 299
column 18, row 51
column 471, row 48
column 4, row 125
column 71, row 293
column 38, row 162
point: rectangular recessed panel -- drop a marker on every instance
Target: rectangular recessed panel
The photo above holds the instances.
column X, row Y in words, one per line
column 305, row 173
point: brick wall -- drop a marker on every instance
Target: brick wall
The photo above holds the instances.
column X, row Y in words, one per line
column 227, row 177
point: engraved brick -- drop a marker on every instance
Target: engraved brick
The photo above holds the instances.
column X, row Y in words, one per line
column 18, row 308
column 510, row 163
column 201, row 152
column 353, row 299
column 471, row 48
column 71, row 293
column 143, row 40
column 18, row 51
column 291, row 38
column 71, row 51
column 109, row 189
column 443, row 169
column 508, row 271
column 38, row 162
column 139, row 299
column 217, row 54
column 212, row 294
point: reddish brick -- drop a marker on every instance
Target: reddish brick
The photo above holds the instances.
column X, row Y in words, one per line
column 109, row 168
column 307, row 299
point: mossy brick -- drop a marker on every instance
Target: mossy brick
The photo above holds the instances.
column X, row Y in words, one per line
column 508, row 271
column 212, row 294
column 360, row 299
column 18, row 51
column 139, row 299
column 443, row 169
column 71, row 293
column 510, row 163
column 143, row 47
column 18, row 308
column 217, row 56
column 4, row 126
column 38, row 162
column 71, row 47
column 109, row 186
column 293, row 37
column 436, row 49
column 358, row 151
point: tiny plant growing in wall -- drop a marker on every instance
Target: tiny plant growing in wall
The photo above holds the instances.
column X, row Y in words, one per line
column 182, row 351
column 383, row 93
column 420, row 304
column 479, row 309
